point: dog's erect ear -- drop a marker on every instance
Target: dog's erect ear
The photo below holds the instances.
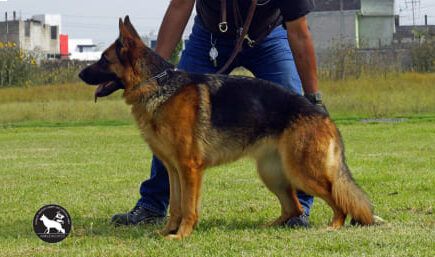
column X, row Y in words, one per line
column 130, row 27
column 121, row 24
column 125, row 36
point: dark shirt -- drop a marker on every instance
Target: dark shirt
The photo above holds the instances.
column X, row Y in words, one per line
column 268, row 14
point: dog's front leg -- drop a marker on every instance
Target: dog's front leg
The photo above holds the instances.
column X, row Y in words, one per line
column 190, row 181
column 174, row 203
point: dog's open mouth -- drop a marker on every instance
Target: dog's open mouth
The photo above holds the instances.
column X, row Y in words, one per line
column 106, row 89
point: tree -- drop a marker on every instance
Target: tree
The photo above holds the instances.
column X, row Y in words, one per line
column 175, row 57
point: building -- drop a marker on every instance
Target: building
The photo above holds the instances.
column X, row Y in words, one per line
column 362, row 23
column 49, row 19
column 31, row 35
column 64, row 48
column 83, row 50
column 41, row 36
column 375, row 23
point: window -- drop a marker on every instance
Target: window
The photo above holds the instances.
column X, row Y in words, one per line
column 27, row 28
column 153, row 44
column 53, row 32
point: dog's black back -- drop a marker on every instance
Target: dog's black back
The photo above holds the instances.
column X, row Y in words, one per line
column 255, row 107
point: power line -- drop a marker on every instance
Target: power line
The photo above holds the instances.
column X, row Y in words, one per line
column 104, row 17
column 414, row 5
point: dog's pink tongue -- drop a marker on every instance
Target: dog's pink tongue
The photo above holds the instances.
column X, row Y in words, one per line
column 98, row 90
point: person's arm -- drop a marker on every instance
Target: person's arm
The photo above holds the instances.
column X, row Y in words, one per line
column 173, row 24
column 300, row 41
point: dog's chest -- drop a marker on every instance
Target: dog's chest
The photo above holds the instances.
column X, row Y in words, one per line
column 150, row 130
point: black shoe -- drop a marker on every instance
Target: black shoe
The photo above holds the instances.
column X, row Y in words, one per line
column 139, row 215
column 300, row 221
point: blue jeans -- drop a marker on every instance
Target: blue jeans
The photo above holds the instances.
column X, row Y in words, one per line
column 271, row 60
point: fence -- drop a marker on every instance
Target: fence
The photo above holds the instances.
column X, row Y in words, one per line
column 18, row 68
column 344, row 61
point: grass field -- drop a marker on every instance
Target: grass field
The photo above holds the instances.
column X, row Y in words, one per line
column 95, row 171
column 57, row 146
column 398, row 95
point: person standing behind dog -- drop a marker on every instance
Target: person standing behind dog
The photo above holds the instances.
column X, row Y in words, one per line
column 276, row 25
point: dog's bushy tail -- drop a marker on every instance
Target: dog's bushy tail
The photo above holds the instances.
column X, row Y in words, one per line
column 350, row 197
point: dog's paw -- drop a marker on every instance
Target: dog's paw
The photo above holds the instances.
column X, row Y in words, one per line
column 329, row 228
column 173, row 236
column 379, row 220
column 162, row 232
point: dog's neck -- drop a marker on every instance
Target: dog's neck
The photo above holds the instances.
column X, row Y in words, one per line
column 150, row 65
column 155, row 64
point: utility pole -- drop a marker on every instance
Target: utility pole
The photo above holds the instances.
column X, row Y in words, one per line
column 415, row 5
column 7, row 27
column 342, row 30
column 413, row 13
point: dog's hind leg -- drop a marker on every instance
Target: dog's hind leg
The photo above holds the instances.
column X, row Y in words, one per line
column 311, row 162
column 315, row 186
column 271, row 172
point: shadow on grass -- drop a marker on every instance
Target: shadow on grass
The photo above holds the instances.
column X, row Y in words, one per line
column 101, row 227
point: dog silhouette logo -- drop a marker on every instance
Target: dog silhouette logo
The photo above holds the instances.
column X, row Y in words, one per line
column 52, row 223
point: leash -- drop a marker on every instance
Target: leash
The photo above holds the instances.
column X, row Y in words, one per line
column 223, row 26
column 243, row 33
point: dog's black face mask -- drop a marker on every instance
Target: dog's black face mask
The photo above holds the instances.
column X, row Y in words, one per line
column 99, row 74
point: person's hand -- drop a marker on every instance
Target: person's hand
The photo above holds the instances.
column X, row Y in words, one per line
column 316, row 100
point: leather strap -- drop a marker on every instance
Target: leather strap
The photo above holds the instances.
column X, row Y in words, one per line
column 159, row 78
column 223, row 25
column 242, row 36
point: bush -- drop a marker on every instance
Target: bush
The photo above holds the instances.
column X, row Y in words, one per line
column 423, row 56
column 19, row 68
column 175, row 56
column 344, row 61
column 15, row 65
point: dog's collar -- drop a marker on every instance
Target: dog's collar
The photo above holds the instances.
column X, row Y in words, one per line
column 160, row 78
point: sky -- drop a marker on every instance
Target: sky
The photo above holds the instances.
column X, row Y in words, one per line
column 98, row 19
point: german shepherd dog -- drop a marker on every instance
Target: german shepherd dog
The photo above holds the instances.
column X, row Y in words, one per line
column 195, row 121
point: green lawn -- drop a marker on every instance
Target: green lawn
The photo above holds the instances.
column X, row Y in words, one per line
column 398, row 95
column 94, row 170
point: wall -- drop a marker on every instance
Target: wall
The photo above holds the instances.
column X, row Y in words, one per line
column 377, row 7
column 330, row 28
column 40, row 38
column 375, row 31
column 64, row 51
column 73, row 44
column 335, row 5
column 88, row 54
column 376, row 23
column 13, row 32
column 363, row 23
column 49, row 19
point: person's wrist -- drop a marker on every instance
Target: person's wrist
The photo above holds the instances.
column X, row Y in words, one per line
column 317, row 100
column 314, row 97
